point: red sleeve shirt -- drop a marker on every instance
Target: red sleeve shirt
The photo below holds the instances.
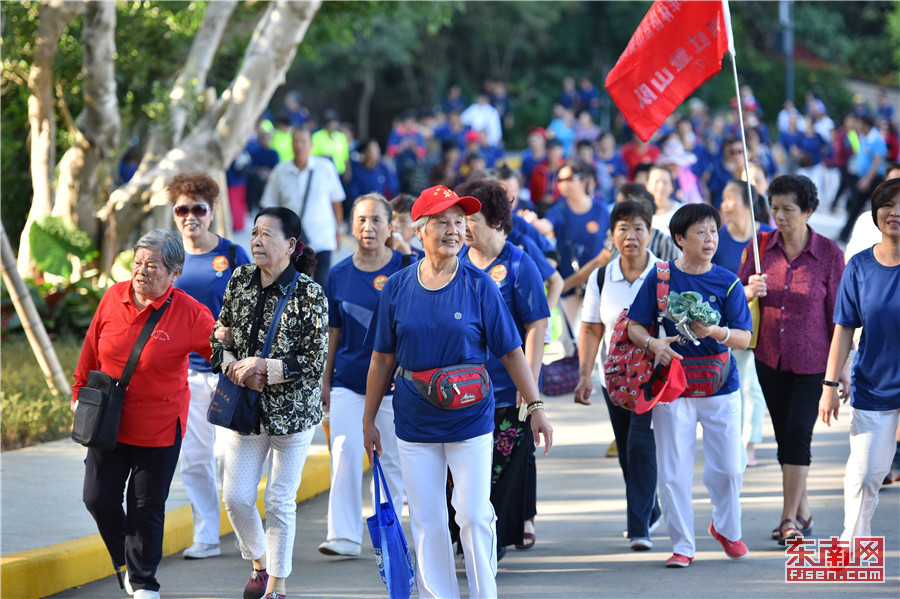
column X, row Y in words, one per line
column 158, row 395
column 796, row 314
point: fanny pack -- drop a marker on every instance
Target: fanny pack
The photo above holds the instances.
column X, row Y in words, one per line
column 451, row 387
column 706, row 375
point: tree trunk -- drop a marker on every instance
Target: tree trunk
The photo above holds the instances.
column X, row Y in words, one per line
column 191, row 81
column 53, row 19
column 97, row 127
column 31, row 322
column 365, row 103
column 222, row 133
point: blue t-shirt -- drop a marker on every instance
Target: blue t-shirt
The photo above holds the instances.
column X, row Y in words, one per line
column 352, row 295
column 523, row 228
column 718, row 287
column 523, row 293
column 729, row 253
column 204, row 278
column 537, row 256
column 461, row 323
column 869, row 297
column 582, row 234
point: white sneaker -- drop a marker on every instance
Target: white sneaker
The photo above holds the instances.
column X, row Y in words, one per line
column 145, row 594
column 340, row 547
column 641, row 544
column 201, row 551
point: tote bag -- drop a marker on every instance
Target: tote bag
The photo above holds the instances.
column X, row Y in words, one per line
column 391, row 551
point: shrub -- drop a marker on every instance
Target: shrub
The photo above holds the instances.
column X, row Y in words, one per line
column 30, row 412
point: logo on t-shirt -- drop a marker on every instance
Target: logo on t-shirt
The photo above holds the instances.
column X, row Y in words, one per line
column 498, row 273
column 379, row 282
column 592, row 226
column 220, row 263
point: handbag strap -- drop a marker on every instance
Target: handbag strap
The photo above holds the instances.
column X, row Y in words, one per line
column 379, row 481
column 276, row 317
column 141, row 341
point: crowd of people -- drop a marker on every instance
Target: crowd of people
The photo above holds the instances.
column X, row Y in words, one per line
column 462, row 241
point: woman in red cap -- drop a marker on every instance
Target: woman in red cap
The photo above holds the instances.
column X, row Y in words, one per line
column 449, row 315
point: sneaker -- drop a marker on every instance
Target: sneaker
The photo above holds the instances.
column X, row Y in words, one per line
column 145, row 594
column 340, row 547
column 733, row 549
column 679, row 561
column 641, row 544
column 274, row 595
column 256, row 586
column 201, row 551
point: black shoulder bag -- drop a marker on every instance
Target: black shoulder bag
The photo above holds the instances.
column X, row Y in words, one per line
column 100, row 401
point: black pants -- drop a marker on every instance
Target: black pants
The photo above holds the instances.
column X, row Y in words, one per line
column 637, row 458
column 793, row 402
column 133, row 536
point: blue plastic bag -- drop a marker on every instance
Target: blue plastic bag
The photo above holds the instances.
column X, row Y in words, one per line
column 391, row 551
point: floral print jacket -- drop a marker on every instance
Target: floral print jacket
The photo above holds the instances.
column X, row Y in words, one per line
column 297, row 359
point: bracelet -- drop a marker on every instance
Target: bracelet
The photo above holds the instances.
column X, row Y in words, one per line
column 535, row 405
column 647, row 342
column 828, row 383
column 727, row 336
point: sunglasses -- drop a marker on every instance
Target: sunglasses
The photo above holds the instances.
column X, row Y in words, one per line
column 198, row 210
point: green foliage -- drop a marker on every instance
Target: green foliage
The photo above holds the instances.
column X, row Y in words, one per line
column 53, row 243
column 31, row 413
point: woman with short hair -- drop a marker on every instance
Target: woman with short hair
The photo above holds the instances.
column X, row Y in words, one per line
column 621, row 279
column 797, row 290
column 139, row 469
column 209, row 261
column 869, row 297
column 717, row 408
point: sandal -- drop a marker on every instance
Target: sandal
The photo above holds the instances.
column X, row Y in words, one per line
column 805, row 525
column 528, row 537
column 788, row 530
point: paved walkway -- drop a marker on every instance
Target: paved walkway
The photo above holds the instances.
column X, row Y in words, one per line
column 580, row 551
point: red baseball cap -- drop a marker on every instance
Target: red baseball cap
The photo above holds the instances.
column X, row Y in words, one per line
column 472, row 135
column 435, row 200
column 666, row 384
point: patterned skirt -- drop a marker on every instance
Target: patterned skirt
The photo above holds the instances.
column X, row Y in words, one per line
column 513, row 478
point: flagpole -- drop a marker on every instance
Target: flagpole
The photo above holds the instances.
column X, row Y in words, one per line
column 737, row 93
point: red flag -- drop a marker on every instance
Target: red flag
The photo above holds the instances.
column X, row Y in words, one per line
column 675, row 49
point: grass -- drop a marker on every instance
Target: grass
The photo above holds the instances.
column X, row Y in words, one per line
column 29, row 412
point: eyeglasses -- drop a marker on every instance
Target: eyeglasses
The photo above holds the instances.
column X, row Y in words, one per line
column 198, row 210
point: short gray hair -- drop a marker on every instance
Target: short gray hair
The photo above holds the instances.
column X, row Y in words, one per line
column 168, row 244
column 420, row 222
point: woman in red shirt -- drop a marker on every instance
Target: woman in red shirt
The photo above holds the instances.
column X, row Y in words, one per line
column 797, row 290
column 155, row 410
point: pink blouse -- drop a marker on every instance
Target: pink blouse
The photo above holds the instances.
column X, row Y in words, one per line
column 796, row 314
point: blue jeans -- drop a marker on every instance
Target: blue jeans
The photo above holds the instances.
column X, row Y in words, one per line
column 637, row 458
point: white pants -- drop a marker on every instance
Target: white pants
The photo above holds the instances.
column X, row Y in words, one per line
column 675, row 429
column 347, row 455
column 872, row 447
column 425, row 473
column 200, row 452
column 753, row 404
column 244, row 461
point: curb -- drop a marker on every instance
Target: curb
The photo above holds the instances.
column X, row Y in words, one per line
column 47, row 570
